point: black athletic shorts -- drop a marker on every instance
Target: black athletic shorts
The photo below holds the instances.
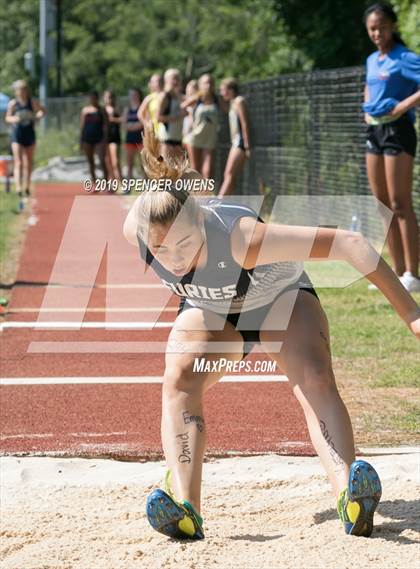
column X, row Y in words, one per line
column 172, row 142
column 24, row 135
column 255, row 317
column 392, row 138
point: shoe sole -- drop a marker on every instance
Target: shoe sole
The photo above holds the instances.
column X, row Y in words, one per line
column 165, row 515
column 365, row 489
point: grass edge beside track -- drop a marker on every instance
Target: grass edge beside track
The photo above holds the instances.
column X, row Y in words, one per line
column 13, row 226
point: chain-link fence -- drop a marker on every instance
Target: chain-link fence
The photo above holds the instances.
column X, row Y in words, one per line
column 307, row 134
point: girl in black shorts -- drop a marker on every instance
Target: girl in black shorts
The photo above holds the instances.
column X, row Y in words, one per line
column 114, row 136
column 94, row 132
column 391, row 93
column 241, row 281
column 170, row 114
column 22, row 112
column 134, row 128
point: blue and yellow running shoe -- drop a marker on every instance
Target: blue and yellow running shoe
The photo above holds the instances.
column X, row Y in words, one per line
column 172, row 518
column 357, row 503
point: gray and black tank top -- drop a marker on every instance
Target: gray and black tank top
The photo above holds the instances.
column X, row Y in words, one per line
column 222, row 285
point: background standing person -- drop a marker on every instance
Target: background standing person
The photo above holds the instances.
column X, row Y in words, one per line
column 202, row 139
column 239, row 135
column 148, row 108
column 391, row 93
column 134, row 127
column 191, row 91
column 170, row 114
column 22, row 112
column 114, row 135
column 94, row 132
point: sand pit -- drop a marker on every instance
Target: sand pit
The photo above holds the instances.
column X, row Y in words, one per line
column 265, row 511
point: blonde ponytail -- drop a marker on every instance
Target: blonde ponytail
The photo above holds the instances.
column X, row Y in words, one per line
column 155, row 165
column 162, row 207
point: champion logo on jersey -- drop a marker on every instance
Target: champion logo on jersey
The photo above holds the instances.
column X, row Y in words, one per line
column 254, row 280
column 222, row 265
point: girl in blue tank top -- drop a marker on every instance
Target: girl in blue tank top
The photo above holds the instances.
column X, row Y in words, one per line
column 22, row 112
column 391, row 95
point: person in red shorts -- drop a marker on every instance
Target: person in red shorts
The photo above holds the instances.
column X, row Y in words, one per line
column 134, row 128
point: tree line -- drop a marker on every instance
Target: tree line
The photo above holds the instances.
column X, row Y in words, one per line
column 120, row 44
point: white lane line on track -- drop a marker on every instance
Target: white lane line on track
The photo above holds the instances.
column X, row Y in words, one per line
column 144, row 347
column 76, row 285
column 27, row 435
column 158, row 310
column 49, row 435
column 127, row 347
column 76, row 325
column 141, row 286
column 128, row 379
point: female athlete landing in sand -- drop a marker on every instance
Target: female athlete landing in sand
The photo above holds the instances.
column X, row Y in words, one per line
column 224, row 262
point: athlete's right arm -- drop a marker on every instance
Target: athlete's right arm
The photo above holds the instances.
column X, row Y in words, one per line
column 10, row 118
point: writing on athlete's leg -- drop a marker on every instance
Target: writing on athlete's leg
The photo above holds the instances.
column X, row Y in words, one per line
column 197, row 419
column 338, row 461
column 183, row 439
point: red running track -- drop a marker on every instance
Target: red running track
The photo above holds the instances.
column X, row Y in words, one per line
column 74, row 264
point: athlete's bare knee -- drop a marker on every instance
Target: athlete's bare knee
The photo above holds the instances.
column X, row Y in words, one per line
column 180, row 377
column 317, row 376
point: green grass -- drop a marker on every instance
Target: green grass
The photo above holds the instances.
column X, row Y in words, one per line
column 368, row 335
column 377, row 362
column 409, row 419
column 54, row 142
column 9, row 208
